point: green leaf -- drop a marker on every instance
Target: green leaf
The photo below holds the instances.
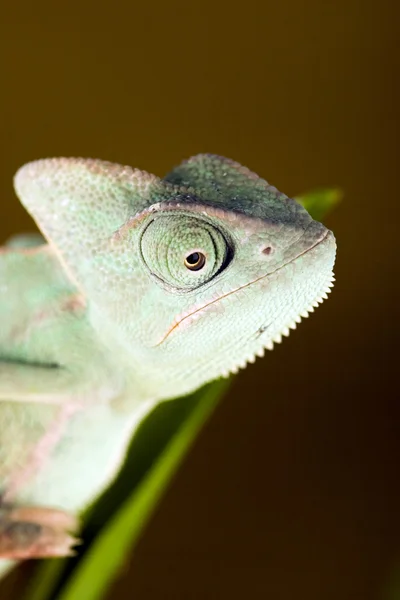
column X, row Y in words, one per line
column 115, row 523
column 46, row 579
column 320, row 201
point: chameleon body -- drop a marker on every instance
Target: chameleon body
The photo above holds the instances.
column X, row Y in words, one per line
column 146, row 289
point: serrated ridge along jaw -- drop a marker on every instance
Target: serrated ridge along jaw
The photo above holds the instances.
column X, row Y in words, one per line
column 285, row 331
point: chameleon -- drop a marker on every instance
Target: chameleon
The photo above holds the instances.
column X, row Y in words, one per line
column 143, row 290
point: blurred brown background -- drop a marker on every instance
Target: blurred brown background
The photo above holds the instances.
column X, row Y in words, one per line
column 292, row 491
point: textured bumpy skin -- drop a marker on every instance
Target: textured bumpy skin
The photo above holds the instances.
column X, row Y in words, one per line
column 147, row 289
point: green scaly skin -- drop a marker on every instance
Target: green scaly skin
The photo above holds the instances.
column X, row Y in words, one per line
column 146, row 289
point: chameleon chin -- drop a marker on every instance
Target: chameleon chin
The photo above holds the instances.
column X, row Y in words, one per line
column 145, row 289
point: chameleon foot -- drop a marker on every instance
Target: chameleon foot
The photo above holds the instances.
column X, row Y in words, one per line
column 35, row 532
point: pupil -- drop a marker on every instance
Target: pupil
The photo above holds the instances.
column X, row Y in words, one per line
column 195, row 261
column 194, row 258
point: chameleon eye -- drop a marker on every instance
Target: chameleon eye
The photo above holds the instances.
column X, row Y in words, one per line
column 195, row 261
column 183, row 251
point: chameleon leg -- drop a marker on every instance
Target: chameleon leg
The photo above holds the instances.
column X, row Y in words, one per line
column 35, row 532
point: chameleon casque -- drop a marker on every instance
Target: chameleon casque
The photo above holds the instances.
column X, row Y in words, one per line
column 146, row 289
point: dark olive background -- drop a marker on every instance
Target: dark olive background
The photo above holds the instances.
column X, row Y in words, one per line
column 292, row 490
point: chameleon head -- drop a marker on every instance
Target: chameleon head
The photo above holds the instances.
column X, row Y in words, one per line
column 240, row 283
column 195, row 274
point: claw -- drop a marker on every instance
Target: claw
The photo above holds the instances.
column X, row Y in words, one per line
column 35, row 532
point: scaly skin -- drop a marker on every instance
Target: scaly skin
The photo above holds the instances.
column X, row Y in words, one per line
column 147, row 289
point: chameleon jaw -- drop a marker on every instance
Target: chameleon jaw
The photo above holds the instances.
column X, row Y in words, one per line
column 285, row 331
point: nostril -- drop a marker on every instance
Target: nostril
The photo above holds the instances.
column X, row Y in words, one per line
column 267, row 250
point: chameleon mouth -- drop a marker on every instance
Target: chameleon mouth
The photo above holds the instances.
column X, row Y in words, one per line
column 195, row 313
